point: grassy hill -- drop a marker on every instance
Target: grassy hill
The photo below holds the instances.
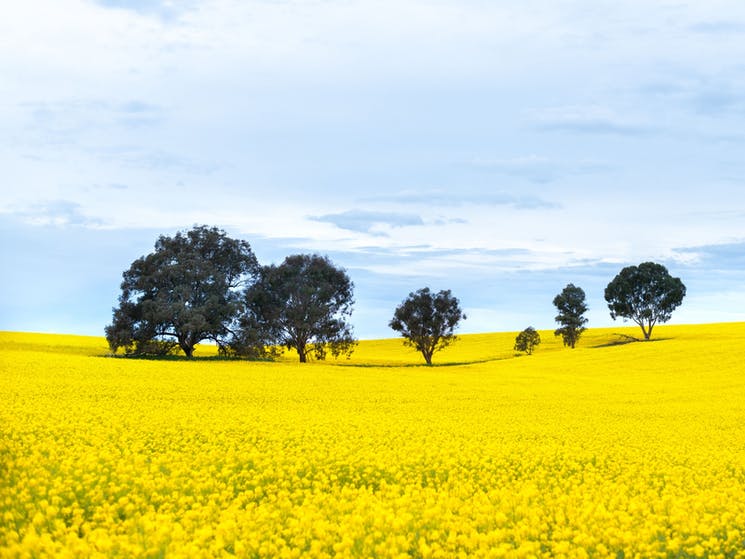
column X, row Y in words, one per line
column 613, row 449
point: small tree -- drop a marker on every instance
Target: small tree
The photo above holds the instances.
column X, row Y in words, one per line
column 646, row 294
column 302, row 304
column 527, row 340
column 184, row 292
column 427, row 321
column 571, row 306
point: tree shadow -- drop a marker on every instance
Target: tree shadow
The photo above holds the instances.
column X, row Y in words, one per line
column 183, row 358
column 624, row 339
column 418, row 365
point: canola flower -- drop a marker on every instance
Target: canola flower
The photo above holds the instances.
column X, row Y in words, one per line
column 634, row 450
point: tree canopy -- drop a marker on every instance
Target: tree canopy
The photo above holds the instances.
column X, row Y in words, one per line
column 527, row 340
column 184, row 292
column 427, row 321
column 571, row 306
column 646, row 294
column 302, row 304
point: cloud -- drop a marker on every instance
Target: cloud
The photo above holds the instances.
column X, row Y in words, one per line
column 432, row 251
column 138, row 113
column 154, row 159
column 721, row 27
column 726, row 256
column 447, row 199
column 719, row 99
column 532, row 167
column 705, row 94
column 431, row 260
column 363, row 221
column 537, row 169
column 109, row 186
column 57, row 213
column 166, row 10
column 87, row 121
column 79, row 108
column 450, row 221
column 588, row 120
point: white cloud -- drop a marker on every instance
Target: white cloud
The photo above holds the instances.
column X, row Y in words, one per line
column 365, row 221
column 589, row 120
column 58, row 213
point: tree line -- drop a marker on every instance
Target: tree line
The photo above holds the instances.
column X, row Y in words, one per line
column 646, row 294
column 201, row 285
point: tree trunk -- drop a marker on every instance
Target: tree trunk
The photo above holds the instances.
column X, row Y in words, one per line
column 647, row 332
column 427, row 357
column 302, row 354
column 186, row 345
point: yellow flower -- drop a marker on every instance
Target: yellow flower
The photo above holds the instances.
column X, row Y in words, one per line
column 609, row 448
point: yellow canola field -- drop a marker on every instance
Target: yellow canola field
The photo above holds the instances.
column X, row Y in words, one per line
column 609, row 450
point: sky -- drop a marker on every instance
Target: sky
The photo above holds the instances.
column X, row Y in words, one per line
column 498, row 149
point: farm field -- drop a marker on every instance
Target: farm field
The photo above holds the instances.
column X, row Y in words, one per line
column 611, row 450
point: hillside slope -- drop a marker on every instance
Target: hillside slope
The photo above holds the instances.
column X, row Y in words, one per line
column 609, row 450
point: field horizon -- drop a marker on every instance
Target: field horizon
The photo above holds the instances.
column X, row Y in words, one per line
column 479, row 346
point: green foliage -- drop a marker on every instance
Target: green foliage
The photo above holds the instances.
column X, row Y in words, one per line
column 184, row 292
column 427, row 322
column 249, row 342
column 527, row 340
column 646, row 294
column 302, row 304
column 571, row 306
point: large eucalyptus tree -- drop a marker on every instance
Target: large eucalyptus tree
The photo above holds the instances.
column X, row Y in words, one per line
column 187, row 290
column 647, row 294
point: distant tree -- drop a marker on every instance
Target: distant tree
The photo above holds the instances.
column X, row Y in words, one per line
column 646, row 294
column 184, row 292
column 427, row 321
column 302, row 304
column 527, row 340
column 571, row 306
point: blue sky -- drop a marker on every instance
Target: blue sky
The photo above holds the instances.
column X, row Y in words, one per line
column 498, row 149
